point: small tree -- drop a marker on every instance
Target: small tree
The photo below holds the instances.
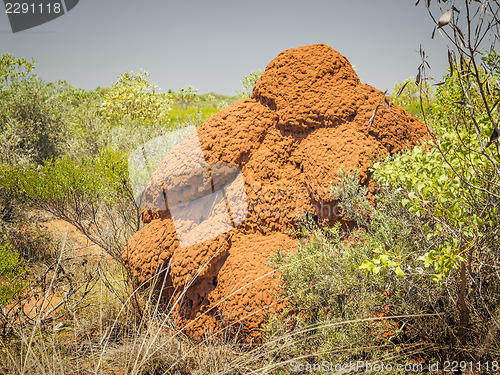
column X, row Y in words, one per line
column 249, row 82
column 92, row 193
column 453, row 180
column 11, row 272
column 133, row 98
column 13, row 69
column 186, row 96
column 33, row 114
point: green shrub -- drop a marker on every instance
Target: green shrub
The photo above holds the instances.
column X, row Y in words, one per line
column 39, row 120
column 13, row 69
column 248, row 83
column 33, row 121
column 329, row 296
column 449, row 186
column 11, row 272
column 61, row 180
column 396, row 312
column 92, row 193
column 134, row 99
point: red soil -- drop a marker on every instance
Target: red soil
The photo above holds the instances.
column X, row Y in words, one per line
column 307, row 117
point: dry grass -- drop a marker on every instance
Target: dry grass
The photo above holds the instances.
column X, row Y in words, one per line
column 99, row 324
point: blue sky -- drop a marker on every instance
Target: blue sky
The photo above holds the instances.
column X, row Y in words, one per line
column 213, row 44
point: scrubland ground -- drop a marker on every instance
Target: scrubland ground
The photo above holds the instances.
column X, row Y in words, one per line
column 80, row 315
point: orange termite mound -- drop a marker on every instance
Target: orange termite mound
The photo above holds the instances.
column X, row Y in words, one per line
column 308, row 116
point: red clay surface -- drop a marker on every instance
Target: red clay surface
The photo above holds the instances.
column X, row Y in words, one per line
column 307, row 117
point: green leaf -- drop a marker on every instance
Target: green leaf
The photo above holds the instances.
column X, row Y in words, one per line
column 366, row 265
column 383, row 259
column 399, row 271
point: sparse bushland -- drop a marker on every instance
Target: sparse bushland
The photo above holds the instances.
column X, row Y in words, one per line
column 191, row 108
column 67, row 306
column 416, row 280
column 91, row 193
column 340, row 313
column 68, row 148
column 95, row 322
column 433, row 238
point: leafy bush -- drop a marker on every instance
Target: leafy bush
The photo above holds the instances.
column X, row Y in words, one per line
column 13, row 69
column 339, row 313
column 447, row 183
column 248, row 83
column 451, row 184
column 92, row 193
column 395, row 312
column 332, row 304
column 11, row 272
column 192, row 115
column 33, row 121
column 134, row 99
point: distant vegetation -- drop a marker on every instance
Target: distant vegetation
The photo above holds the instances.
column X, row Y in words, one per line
column 248, row 82
column 64, row 156
column 407, row 95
